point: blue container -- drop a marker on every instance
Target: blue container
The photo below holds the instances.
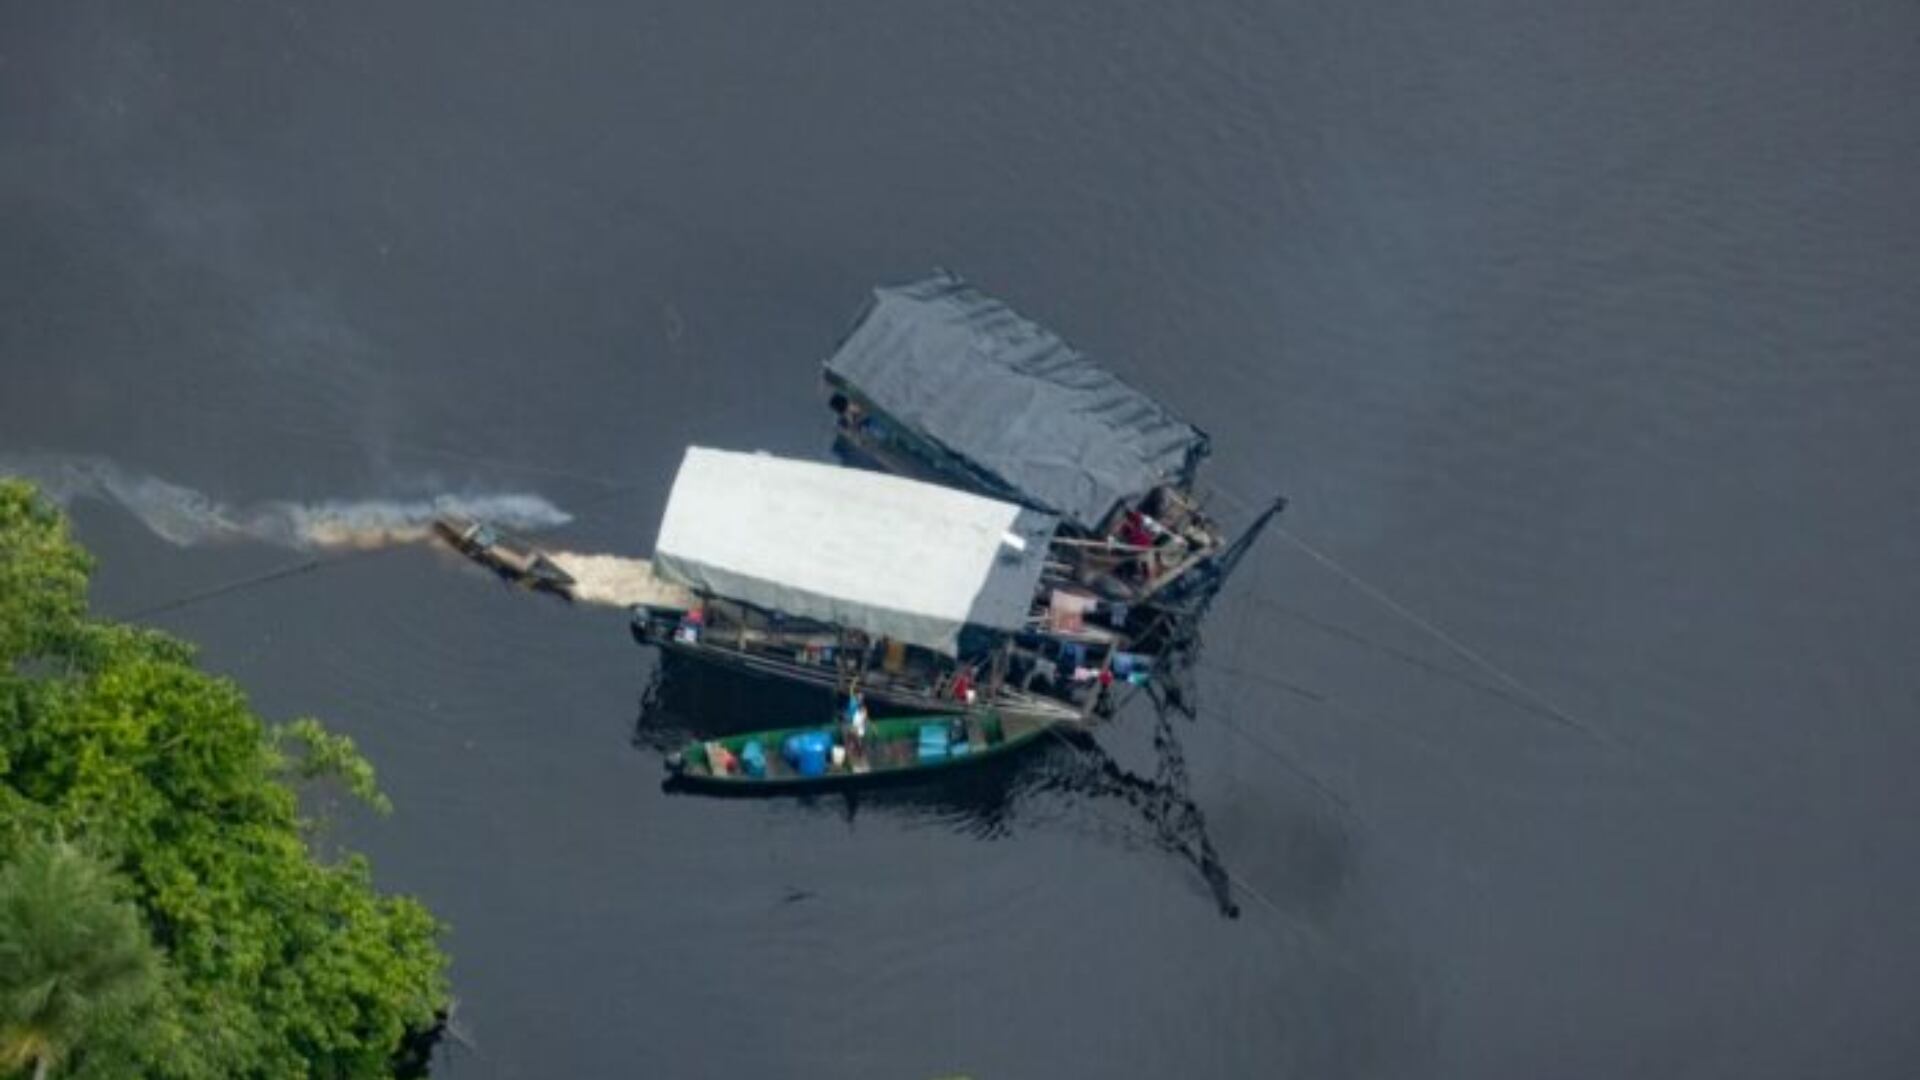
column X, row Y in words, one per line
column 753, row 759
column 934, row 742
column 800, row 743
column 812, row 761
column 807, row 752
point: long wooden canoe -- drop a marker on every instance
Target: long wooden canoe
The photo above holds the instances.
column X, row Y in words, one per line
column 509, row 556
column 893, row 749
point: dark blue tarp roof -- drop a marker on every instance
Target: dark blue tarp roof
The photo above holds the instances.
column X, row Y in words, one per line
column 1028, row 411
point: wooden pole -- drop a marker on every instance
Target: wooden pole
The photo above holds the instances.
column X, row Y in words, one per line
column 1107, row 545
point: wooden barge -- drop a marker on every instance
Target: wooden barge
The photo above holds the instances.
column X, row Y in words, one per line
column 918, row 597
column 940, row 382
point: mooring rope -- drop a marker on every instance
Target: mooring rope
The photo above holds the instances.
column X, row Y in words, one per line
column 240, row 585
column 1532, row 699
column 1459, row 647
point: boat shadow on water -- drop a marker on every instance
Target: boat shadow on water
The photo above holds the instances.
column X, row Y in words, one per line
column 987, row 800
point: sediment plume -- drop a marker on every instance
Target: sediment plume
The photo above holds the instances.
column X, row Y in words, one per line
column 180, row 515
column 617, row 581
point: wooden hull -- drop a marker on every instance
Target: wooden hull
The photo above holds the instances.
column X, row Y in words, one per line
column 1010, row 703
column 892, row 754
column 507, row 556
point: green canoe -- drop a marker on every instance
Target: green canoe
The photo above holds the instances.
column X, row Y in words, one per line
column 895, row 747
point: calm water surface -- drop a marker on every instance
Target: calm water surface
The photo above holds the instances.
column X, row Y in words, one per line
column 1586, row 332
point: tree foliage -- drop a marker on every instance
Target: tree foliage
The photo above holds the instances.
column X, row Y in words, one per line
column 43, row 575
column 276, row 963
column 72, row 954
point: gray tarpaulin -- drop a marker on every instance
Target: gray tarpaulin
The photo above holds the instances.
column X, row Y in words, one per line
column 896, row 558
column 1036, row 418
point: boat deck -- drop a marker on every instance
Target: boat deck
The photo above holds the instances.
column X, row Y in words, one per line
column 772, row 655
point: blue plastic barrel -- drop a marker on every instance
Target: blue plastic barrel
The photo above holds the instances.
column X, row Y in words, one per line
column 812, row 761
column 807, row 752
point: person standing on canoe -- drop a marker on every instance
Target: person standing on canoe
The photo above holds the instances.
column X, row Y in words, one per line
column 856, row 725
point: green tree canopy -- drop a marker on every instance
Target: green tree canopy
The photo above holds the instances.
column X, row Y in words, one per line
column 43, row 576
column 276, row 963
column 72, row 954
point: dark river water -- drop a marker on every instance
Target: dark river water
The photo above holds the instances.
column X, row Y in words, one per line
column 1585, row 332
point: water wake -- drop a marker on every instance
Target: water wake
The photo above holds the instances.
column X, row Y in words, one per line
column 617, row 581
column 183, row 516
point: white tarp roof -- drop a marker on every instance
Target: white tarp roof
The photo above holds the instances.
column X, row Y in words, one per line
column 896, row 558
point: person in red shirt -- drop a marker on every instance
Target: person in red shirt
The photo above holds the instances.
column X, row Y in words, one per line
column 1134, row 531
